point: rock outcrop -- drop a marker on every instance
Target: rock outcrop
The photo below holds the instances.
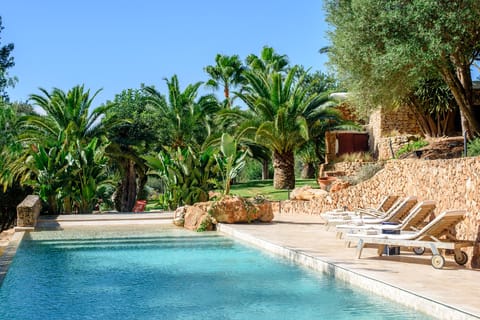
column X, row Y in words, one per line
column 203, row 216
column 197, row 218
column 307, row 193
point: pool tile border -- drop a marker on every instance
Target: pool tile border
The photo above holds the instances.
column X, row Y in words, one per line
column 7, row 257
column 401, row 296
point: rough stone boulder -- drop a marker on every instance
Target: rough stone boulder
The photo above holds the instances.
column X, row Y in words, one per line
column 204, row 215
column 179, row 216
column 265, row 211
column 307, row 193
column 197, row 218
column 238, row 210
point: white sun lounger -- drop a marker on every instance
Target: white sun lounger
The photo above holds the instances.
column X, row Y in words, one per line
column 384, row 206
column 428, row 237
column 396, row 214
column 413, row 221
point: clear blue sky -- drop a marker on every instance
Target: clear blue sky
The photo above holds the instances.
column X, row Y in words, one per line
column 116, row 45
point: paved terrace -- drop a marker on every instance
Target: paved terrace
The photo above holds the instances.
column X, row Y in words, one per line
column 450, row 293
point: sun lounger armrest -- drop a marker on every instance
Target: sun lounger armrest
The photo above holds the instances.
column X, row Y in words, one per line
column 369, row 212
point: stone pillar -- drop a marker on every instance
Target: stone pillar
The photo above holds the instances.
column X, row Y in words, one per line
column 27, row 213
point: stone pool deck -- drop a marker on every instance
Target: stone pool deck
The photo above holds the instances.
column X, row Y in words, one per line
column 450, row 293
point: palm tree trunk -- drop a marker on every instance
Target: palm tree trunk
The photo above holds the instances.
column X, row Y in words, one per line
column 265, row 169
column 284, row 171
column 308, row 171
column 127, row 191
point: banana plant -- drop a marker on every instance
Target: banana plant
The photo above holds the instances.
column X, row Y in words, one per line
column 91, row 172
column 231, row 160
column 186, row 175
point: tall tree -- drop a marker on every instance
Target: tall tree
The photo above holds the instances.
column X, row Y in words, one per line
column 62, row 156
column 187, row 119
column 6, row 62
column 226, row 73
column 268, row 62
column 281, row 107
column 381, row 49
column 11, row 193
column 128, row 141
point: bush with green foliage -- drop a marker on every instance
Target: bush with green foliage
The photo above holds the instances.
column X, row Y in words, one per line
column 355, row 157
column 411, row 146
column 366, row 172
column 251, row 171
column 473, row 147
column 186, row 175
column 230, row 160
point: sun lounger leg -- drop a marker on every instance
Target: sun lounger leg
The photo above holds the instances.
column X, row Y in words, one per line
column 434, row 249
column 359, row 248
column 380, row 250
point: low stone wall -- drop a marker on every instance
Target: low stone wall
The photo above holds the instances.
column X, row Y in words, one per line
column 453, row 184
column 384, row 123
column 28, row 211
column 389, row 144
column 349, row 168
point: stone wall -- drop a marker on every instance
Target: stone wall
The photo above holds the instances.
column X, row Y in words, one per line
column 384, row 123
column 349, row 168
column 453, row 183
column 387, row 146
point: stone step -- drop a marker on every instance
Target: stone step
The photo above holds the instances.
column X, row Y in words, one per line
column 59, row 221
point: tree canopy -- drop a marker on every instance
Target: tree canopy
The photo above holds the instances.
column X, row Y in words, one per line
column 6, row 62
column 382, row 49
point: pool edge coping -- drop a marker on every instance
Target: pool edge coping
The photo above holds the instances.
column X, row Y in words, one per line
column 9, row 254
column 402, row 296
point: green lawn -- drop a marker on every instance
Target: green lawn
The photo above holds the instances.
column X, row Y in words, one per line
column 265, row 188
column 255, row 188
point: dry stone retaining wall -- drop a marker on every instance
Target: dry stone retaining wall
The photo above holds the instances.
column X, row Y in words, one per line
column 384, row 123
column 349, row 168
column 453, row 183
column 388, row 145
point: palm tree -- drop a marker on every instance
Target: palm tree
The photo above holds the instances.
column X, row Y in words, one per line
column 283, row 108
column 60, row 149
column 226, row 73
column 268, row 62
column 187, row 119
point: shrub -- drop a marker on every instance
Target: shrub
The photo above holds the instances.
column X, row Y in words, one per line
column 253, row 171
column 366, row 172
column 411, row 146
column 356, row 157
column 473, row 147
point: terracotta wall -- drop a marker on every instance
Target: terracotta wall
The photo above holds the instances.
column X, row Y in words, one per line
column 453, row 183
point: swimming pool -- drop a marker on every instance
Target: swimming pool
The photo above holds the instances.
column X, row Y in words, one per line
column 171, row 274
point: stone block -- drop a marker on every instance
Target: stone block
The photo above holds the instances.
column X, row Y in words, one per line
column 28, row 211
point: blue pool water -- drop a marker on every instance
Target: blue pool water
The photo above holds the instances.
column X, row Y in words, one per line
column 171, row 274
